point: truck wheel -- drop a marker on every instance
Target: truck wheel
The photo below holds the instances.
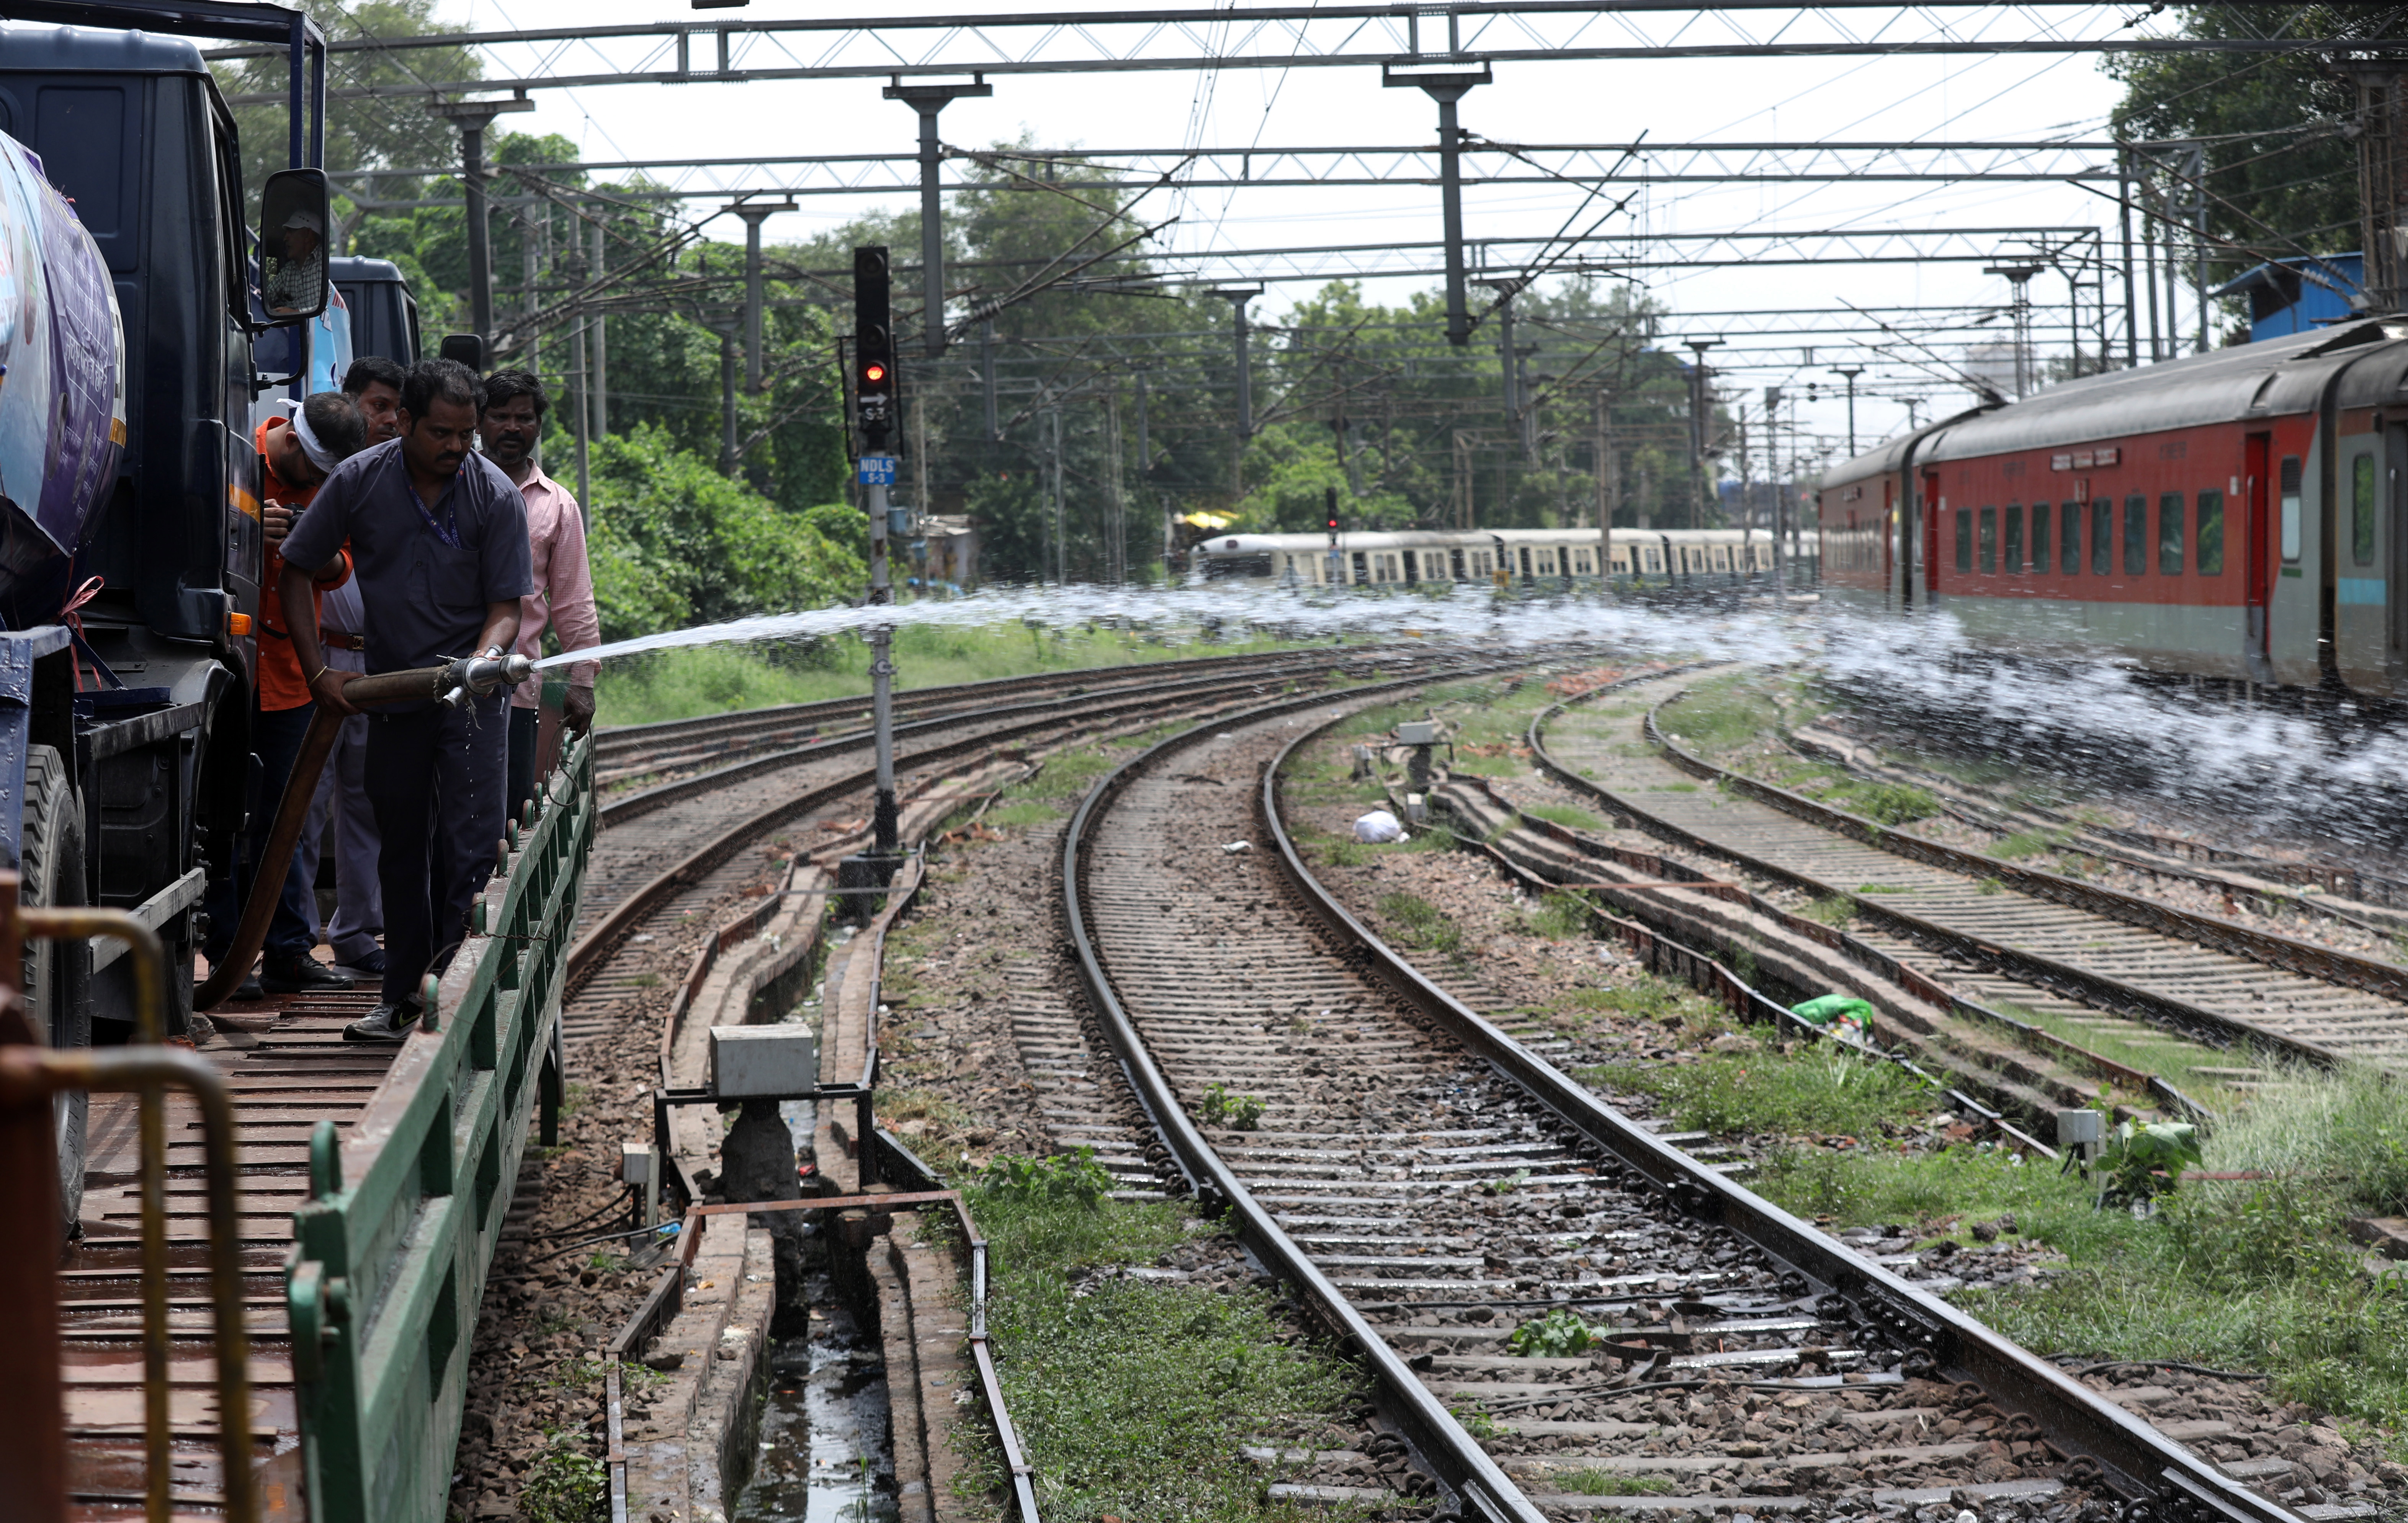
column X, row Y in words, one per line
column 58, row 974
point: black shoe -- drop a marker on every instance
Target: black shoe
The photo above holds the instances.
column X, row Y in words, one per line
column 249, row 988
column 300, row 975
column 367, row 965
column 390, row 1022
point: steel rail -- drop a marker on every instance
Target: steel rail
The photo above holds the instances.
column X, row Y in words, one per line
column 1453, row 1455
column 596, row 945
column 639, row 804
column 617, row 739
column 2136, row 1459
column 2032, row 967
column 2271, row 948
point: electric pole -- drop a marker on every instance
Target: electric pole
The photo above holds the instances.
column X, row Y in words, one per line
column 1852, row 375
column 873, row 341
column 1701, row 398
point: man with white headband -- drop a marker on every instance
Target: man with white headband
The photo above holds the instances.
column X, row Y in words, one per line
column 297, row 453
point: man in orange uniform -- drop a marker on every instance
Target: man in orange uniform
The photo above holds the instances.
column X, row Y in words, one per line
column 297, row 453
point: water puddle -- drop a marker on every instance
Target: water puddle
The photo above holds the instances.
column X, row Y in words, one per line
column 823, row 1455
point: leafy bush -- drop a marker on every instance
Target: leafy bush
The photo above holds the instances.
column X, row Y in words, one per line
column 1559, row 1334
column 565, row 1484
column 683, row 545
column 2145, row 1160
column 1240, row 1113
column 1064, row 1179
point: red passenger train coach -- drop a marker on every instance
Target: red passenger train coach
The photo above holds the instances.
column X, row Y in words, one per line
column 2238, row 515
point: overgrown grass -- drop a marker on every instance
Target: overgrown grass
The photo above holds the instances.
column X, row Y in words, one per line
column 1821, row 1089
column 1558, row 918
column 1021, row 811
column 1420, row 925
column 1133, row 1397
column 1600, row 1483
column 2243, row 1274
column 1654, row 998
column 2023, row 843
column 1564, row 816
column 694, row 680
column 1068, row 777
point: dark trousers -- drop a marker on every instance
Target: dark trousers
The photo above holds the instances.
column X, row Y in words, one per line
column 293, row 930
column 523, row 723
column 435, row 779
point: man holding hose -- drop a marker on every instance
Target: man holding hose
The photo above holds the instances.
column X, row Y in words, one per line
column 439, row 538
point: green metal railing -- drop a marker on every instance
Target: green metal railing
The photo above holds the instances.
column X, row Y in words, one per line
column 393, row 1245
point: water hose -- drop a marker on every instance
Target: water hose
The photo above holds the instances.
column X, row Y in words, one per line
column 453, row 684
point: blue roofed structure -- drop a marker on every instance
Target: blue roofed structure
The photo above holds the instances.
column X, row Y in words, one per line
column 2299, row 295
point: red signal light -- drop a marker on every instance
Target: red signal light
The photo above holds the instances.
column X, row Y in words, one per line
column 873, row 372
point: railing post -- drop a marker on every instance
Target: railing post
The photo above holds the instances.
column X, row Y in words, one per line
column 325, row 1354
column 33, row 1410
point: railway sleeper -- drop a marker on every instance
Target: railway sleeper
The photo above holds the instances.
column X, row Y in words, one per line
column 2003, row 1076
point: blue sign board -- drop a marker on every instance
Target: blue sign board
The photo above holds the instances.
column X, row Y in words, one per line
column 876, row 470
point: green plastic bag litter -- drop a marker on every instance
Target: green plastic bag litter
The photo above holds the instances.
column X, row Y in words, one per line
column 1840, row 1015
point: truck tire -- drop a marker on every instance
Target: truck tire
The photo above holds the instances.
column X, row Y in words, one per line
column 58, row 974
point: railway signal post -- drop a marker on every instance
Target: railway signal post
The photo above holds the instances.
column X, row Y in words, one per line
column 875, row 395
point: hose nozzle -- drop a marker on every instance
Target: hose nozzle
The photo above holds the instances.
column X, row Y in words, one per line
column 473, row 677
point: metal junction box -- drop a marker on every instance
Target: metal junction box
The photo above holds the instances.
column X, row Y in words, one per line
column 760, row 1061
column 1417, row 732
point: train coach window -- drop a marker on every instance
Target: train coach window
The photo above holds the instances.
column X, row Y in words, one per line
column 2011, row 541
column 1964, row 539
column 2362, row 510
column 1990, row 540
column 2068, row 539
column 2136, row 536
column 2290, row 508
column 2040, row 538
column 1220, row 568
column 2102, row 537
column 2211, row 534
column 2170, row 534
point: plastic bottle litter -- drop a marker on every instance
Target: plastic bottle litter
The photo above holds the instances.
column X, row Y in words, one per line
column 1378, row 828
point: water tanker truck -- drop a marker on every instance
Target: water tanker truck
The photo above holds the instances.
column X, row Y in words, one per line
column 134, row 335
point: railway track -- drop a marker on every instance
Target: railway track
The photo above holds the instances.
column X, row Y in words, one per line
column 629, row 751
column 1424, row 1179
column 2008, row 934
column 670, row 853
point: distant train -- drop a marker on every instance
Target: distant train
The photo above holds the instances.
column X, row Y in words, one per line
column 1517, row 557
column 2240, row 514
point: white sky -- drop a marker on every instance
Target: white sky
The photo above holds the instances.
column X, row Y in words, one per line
column 1924, row 98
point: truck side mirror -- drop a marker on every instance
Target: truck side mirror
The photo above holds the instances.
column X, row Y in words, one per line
column 294, row 215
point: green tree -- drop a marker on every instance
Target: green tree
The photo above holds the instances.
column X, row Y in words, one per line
column 2281, row 164
column 362, row 133
column 682, row 545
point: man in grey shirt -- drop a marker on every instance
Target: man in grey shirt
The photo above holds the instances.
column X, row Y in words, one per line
column 439, row 537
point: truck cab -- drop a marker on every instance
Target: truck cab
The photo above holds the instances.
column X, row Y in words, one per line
column 127, row 623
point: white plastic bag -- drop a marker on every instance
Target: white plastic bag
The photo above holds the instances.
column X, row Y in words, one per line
column 1378, row 828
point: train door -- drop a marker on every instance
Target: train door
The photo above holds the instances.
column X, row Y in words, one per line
column 1928, row 550
column 2255, row 461
column 2396, row 538
column 1454, row 564
column 1889, row 534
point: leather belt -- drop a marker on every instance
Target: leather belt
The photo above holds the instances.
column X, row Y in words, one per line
column 341, row 640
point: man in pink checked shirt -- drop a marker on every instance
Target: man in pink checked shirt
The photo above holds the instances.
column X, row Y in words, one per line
column 508, row 425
